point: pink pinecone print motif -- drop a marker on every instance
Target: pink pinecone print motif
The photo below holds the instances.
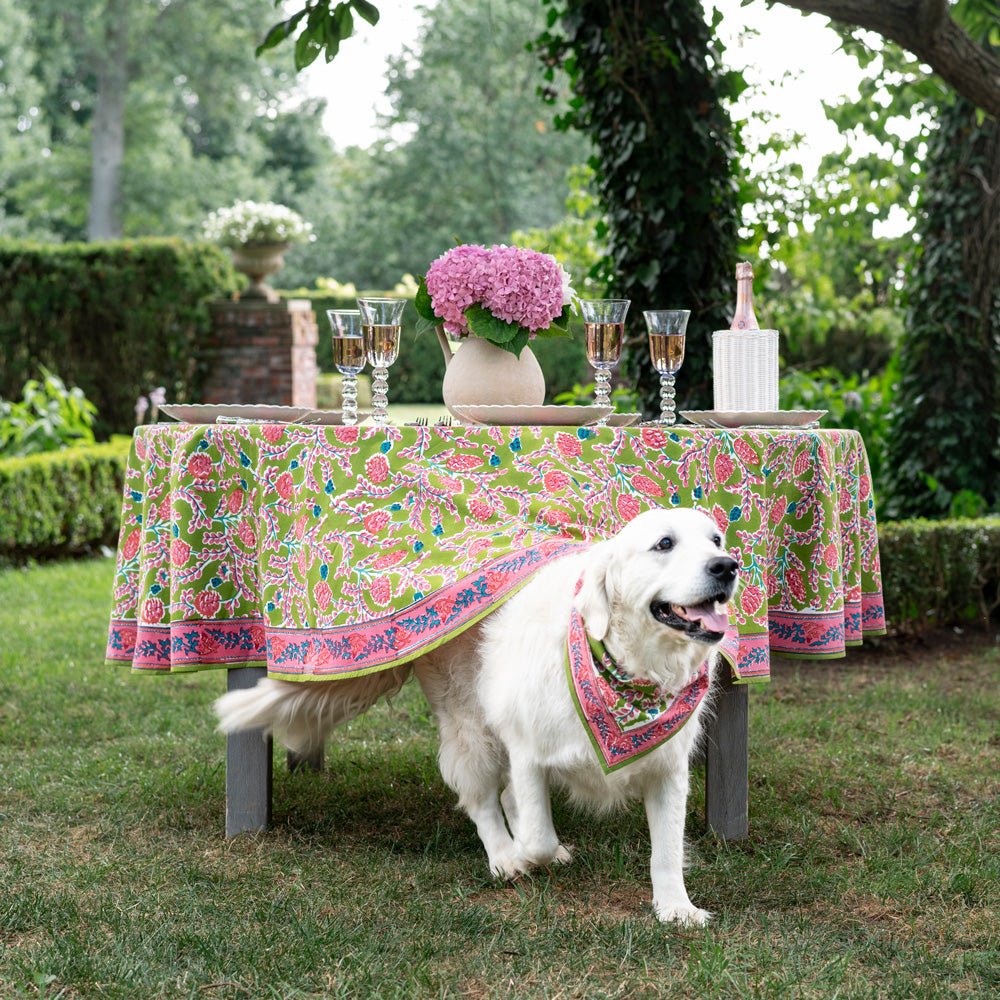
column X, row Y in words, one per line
column 200, row 466
column 179, row 552
column 285, row 486
column 555, row 481
column 376, row 522
column 751, row 600
column 207, row 603
column 646, row 485
column 745, row 450
column 380, row 591
column 481, row 510
column 723, row 468
column 463, row 463
column 801, row 463
column 569, row 445
column 377, row 468
column 628, row 507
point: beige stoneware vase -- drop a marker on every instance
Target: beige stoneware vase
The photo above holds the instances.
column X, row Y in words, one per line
column 478, row 373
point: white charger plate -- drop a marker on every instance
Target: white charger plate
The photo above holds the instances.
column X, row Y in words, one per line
column 547, row 416
column 624, row 419
column 208, row 413
column 331, row 418
column 749, row 418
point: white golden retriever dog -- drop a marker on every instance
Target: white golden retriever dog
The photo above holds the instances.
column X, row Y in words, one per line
column 654, row 594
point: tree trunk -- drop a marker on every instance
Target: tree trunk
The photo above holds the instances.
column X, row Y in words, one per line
column 925, row 28
column 108, row 128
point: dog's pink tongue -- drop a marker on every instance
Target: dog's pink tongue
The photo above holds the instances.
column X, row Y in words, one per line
column 711, row 620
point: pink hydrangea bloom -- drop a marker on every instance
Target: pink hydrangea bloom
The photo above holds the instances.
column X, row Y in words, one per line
column 516, row 285
column 456, row 280
column 525, row 288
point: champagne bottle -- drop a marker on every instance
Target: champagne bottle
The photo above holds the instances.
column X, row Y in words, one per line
column 744, row 318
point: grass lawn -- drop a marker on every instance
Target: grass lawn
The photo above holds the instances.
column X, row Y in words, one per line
column 872, row 868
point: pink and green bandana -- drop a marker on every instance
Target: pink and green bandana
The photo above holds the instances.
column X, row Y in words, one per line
column 626, row 718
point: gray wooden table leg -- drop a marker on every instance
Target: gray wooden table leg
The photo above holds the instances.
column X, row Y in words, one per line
column 727, row 789
column 313, row 761
column 248, row 768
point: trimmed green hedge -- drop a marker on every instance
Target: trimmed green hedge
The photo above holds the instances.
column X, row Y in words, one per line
column 61, row 503
column 416, row 376
column 116, row 319
column 938, row 573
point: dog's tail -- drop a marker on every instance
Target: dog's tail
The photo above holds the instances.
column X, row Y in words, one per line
column 302, row 713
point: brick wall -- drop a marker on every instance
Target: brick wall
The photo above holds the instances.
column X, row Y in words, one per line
column 262, row 352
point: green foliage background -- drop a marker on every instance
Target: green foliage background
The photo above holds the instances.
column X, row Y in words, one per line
column 647, row 89
column 114, row 319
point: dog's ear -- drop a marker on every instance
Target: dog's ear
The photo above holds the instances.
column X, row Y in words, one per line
column 594, row 599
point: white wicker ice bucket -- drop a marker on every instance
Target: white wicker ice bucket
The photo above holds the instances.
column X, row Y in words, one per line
column 745, row 370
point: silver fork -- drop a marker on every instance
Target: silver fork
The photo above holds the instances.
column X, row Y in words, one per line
column 420, row 422
column 443, row 422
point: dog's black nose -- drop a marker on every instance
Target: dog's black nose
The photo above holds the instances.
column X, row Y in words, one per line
column 723, row 569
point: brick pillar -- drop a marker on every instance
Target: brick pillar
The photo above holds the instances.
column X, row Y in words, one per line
column 261, row 352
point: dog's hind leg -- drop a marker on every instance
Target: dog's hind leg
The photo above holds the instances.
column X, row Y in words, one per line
column 471, row 759
column 535, row 839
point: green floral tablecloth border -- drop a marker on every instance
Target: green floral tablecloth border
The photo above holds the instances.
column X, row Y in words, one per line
column 334, row 551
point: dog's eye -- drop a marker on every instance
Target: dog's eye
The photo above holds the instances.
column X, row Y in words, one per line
column 717, row 539
column 665, row 544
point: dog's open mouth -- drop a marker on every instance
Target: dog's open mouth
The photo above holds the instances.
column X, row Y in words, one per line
column 705, row 622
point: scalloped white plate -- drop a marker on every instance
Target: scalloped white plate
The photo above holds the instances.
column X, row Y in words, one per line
column 208, row 413
column 546, row 416
column 624, row 419
column 331, row 418
column 766, row 418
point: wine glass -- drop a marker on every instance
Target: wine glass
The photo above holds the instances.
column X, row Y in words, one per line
column 348, row 356
column 667, row 328
column 604, row 324
column 382, row 320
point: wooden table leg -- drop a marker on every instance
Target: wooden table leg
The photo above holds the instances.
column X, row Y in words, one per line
column 727, row 789
column 248, row 767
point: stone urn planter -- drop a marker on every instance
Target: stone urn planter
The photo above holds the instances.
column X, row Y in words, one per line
column 257, row 261
column 478, row 373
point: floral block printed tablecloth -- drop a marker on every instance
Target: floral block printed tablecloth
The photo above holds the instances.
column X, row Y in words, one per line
column 331, row 551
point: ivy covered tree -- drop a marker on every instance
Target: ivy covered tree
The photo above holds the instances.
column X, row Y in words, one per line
column 649, row 91
column 943, row 446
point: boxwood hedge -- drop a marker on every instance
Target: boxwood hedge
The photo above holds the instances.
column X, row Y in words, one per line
column 116, row 319
column 61, row 503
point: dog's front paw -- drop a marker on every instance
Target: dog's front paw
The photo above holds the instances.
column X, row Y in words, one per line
column 563, row 855
column 684, row 914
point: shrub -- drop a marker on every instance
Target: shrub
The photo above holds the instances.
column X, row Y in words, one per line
column 938, row 573
column 63, row 502
column 112, row 318
column 860, row 403
column 48, row 417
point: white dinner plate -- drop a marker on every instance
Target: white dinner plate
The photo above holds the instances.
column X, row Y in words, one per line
column 507, row 416
column 624, row 419
column 766, row 418
column 208, row 413
column 331, row 418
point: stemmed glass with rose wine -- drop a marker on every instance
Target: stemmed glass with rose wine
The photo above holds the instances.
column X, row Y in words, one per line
column 348, row 356
column 604, row 325
column 667, row 329
column 382, row 320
